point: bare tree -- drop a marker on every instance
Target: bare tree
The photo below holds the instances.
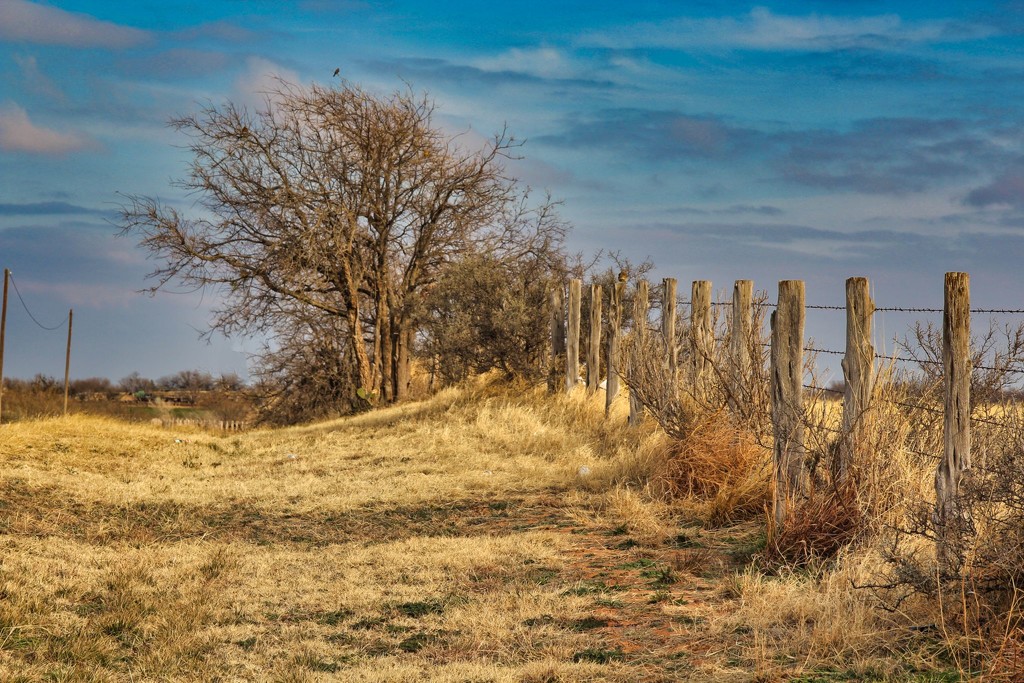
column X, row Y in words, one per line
column 330, row 202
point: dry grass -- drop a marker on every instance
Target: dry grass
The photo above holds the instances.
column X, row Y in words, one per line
column 485, row 534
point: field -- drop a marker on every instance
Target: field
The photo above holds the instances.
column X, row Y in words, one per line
column 485, row 534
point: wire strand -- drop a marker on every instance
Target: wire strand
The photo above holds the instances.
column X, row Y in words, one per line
column 25, row 306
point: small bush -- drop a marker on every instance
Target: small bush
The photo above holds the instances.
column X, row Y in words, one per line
column 815, row 530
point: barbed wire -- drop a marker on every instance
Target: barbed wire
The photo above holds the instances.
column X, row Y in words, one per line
column 913, row 406
column 880, row 309
column 25, row 306
column 906, row 405
column 904, row 359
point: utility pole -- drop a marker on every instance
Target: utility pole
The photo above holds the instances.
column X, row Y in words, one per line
column 3, row 331
column 67, row 363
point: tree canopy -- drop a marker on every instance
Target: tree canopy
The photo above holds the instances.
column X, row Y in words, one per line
column 325, row 218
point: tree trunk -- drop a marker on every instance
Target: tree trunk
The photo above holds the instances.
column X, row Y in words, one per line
column 358, row 348
column 403, row 360
column 387, row 350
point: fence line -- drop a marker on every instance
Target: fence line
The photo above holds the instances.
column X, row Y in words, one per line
column 221, row 425
column 786, row 358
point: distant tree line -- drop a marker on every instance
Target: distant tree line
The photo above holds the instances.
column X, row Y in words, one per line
column 185, row 380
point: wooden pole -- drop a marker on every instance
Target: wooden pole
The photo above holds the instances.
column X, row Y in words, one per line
column 858, row 371
column 614, row 330
column 594, row 343
column 3, row 334
column 702, row 338
column 557, row 366
column 572, row 357
column 668, row 328
column 787, row 369
column 67, row 362
column 740, row 346
column 641, row 302
column 956, row 361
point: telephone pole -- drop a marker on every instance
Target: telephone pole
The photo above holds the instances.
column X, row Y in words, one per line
column 67, row 363
column 3, row 331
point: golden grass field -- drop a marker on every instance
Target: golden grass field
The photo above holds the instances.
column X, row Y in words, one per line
column 454, row 539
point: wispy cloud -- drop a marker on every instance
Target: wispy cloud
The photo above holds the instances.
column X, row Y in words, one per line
column 219, row 31
column 887, row 155
column 732, row 210
column 657, row 135
column 46, row 209
column 177, row 63
column 762, row 29
column 894, row 156
column 31, row 22
column 1007, row 189
column 19, row 134
column 334, row 6
column 501, row 72
column 82, row 294
column 545, row 62
column 35, row 80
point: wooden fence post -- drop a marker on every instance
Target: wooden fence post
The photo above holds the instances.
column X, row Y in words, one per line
column 614, row 330
column 787, row 369
column 67, row 362
column 740, row 348
column 668, row 328
column 641, row 302
column 858, row 371
column 956, row 361
column 702, row 337
column 572, row 357
column 557, row 366
column 594, row 343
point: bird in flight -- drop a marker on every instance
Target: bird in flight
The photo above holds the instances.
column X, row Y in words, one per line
column 337, row 71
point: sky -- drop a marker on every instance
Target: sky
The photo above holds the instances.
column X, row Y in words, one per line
column 724, row 140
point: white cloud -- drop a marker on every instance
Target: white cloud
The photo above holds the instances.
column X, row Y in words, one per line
column 19, row 134
column 21, row 20
column 546, row 62
column 259, row 80
column 764, row 30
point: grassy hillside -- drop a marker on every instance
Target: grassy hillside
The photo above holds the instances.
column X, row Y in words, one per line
column 487, row 534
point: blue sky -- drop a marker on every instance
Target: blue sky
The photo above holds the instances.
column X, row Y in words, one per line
column 768, row 141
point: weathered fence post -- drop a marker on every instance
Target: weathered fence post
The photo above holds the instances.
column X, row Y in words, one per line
column 702, row 337
column 557, row 366
column 641, row 301
column 858, row 371
column 956, row 361
column 787, row 369
column 740, row 348
column 668, row 328
column 614, row 330
column 572, row 357
column 594, row 343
